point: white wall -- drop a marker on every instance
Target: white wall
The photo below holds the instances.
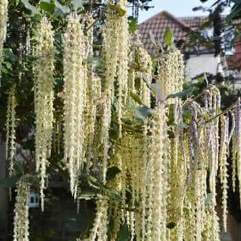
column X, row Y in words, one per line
column 205, row 63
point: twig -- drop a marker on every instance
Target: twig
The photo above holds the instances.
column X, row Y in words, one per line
column 222, row 113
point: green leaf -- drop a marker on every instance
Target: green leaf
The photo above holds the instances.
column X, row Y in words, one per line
column 30, row 7
column 118, row 9
column 187, row 116
column 112, row 172
column 143, row 112
column 124, row 233
column 133, row 25
column 179, row 94
column 87, row 196
column 47, row 6
column 136, row 98
column 168, row 37
column 77, row 4
column 9, row 181
column 62, row 8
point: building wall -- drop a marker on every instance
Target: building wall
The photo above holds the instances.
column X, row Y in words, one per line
column 205, row 63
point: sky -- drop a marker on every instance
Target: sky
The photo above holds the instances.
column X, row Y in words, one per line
column 178, row 8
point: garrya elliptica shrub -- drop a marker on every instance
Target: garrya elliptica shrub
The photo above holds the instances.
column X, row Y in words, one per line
column 168, row 152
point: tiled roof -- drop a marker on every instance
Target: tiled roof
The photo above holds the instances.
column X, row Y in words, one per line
column 158, row 24
column 194, row 22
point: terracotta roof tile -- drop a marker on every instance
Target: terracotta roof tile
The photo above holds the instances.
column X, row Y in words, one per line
column 194, row 22
column 158, row 24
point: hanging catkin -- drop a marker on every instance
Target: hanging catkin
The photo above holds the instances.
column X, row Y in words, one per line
column 111, row 44
column 74, row 98
column 21, row 212
column 43, row 96
column 99, row 230
column 236, row 145
column 212, row 108
column 157, row 156
column 10, row 130
column 3, row 28
column 122, row 70
column 91, row 92
column 144, row 72
column 171, row 73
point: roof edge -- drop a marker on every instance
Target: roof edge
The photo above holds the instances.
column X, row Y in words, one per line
column 184, row 25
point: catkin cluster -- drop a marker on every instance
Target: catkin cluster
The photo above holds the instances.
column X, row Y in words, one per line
column 122, row 69
column 3, row 27
column 11, row 130
column 171, row 73
column 43, row 98
column 21, row 212
column 74, row 98
column 116, row 67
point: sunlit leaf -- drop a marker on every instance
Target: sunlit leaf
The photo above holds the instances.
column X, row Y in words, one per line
column 168, row 37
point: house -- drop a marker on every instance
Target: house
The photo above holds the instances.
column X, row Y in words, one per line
column 197, row 51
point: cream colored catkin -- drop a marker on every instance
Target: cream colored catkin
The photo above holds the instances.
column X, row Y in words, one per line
column 223, row 165
column 11, row 130
column 92, row 94
column 122, row 70
column 21, row 212
column 171, row 73
column 74, row 98
column 236, row 148
column 157, row 156
column 99, row 230
column 144, row 72
column 43, row 97
column 3, row 28
column 111, row 43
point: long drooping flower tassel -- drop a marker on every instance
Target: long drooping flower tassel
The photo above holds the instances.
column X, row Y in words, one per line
column 10, row 129
column 74, row 99
column 111, row 43
column 171, row 73
column 21, row 212
column 44, row 96
column 159, row 179
column 224, row 166
column 3, row 28
column 92, row 94
column 122, row 70
column 236, row 147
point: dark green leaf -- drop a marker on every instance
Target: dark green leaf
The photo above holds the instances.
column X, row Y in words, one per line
column 112, row 172
column 168, row 37
column 136, row 98
column 187, row 116
column 62, row 8
column 143, row 112
column 30, row 7
column 178, row 94
column 124, row 233
column 9, row 181
column 133, row 25
column 47, row 6
column 29, row 144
